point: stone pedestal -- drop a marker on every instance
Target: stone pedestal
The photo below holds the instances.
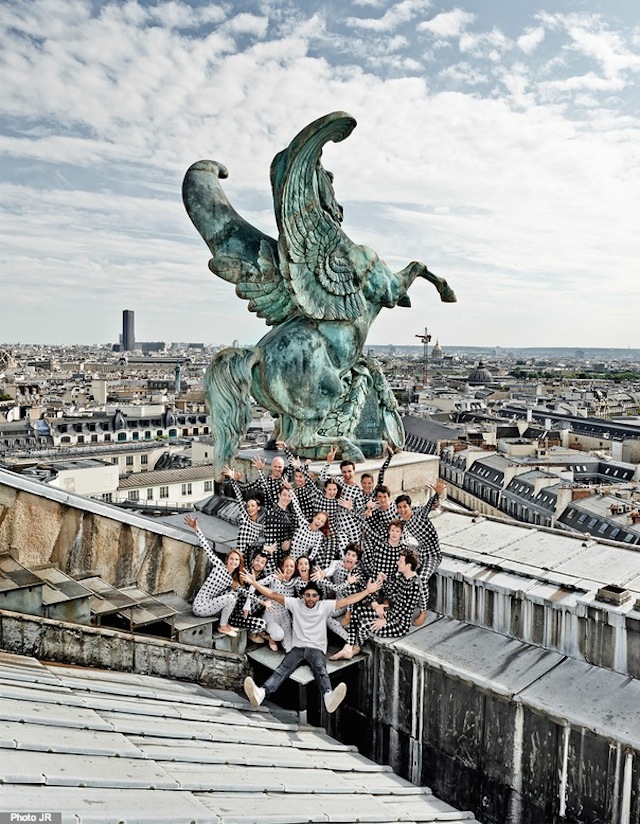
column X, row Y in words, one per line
column 409, row 472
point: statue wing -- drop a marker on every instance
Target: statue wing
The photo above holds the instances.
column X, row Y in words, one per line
column 242, row 254
column 316, row 256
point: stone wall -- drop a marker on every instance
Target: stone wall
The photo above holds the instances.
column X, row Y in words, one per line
column 41, row 526
column 515, row 733
column 52, row 640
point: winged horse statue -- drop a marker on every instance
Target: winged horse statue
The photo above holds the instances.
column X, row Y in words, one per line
column 319, row 291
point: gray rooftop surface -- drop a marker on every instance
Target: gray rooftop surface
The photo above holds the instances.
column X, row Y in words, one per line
column 101, row 746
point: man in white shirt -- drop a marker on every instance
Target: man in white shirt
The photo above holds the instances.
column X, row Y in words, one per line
column 309, row 638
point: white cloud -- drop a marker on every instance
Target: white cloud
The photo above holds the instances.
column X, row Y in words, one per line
column 401, row 12
column 471, row 165
column 530, row 40
column 449, row 24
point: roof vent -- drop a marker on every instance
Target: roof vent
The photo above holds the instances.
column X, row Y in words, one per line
column 612, row 594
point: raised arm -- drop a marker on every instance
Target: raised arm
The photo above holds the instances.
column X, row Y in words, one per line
column 372, row 586
column 268, row 593
column 385, row 466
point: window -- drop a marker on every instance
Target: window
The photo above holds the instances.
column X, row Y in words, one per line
column 147, row 435
column 80, row 438
column 149, row 494
column 135, row 436
column 122, row 436
column 107, row 437
column 186, row 489
column 108, row 497
column 185, row 431
column 129, row 460
column 133, row 495
column 144, row 459
column 164, row 491
column 208, row 486
column 582, row 518
column 94, row 439
column 159, row 433
column 66, row 439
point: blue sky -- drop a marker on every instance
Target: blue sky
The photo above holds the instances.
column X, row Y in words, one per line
column 499, row 142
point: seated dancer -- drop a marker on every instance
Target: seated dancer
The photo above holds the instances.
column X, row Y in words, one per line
column 382, row 550
column 378, row 514
column 303, row 484
column 276, row 617
column 310, row 537
column 360, row 495
column 418, row 525
column 251, row 533
column 246, row 615
column 309, row 615
column 219, row 592
column 279, row 526
column 341, row 578
column 270, row 485
column 302, row 575
column 406, row 598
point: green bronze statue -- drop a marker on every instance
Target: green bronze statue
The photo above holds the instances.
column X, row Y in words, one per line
column 319, row 291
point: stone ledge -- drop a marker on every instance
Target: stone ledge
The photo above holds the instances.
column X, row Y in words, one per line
column 52, row 640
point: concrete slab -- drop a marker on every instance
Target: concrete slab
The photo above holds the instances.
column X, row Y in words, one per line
column 55, row 715
column 479, row 655
column 95, row 806
column 311, row 807
column 590, row 697
column 41, row 737
column 71, row 770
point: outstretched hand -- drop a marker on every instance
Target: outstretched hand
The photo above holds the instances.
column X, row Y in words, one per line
column 258, row 463
column 191, row 521
column 248, row 576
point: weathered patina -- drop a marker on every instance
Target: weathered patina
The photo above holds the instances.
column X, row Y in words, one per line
column 319, row 291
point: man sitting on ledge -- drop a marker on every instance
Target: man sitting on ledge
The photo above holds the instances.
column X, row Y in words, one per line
column 309, row 638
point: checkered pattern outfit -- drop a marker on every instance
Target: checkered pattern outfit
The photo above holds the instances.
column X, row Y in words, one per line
column 216, row 594
column 380, row 556
column 406, row 596
column 250, row 533
column 278, row 619
column 279, row 526
column 422, row 529
column 254, row 624
column 306, row 541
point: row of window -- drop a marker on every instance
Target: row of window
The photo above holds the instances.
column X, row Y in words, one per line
column 186, row 490
column 135, row 436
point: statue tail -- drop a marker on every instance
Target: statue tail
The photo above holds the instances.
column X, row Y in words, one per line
column 227, row 391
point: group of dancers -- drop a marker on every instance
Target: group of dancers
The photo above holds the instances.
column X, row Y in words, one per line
column 325, row 539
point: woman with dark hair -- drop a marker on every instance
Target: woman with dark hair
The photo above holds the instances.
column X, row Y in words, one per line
column 251, row 532
column 302, row 575
column 219, row 592
column 276, row 617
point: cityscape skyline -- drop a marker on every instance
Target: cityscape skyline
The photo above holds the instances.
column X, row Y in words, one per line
column 498, row 145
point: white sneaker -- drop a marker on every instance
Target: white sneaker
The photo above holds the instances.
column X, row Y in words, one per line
column 334, row 698
column 255, row 694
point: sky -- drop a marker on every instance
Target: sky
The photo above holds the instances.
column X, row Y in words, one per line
column 498, row 141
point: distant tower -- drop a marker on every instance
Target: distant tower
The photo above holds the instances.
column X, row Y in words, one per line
column 178, row 370
column 128, row 336
column 425, row 356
